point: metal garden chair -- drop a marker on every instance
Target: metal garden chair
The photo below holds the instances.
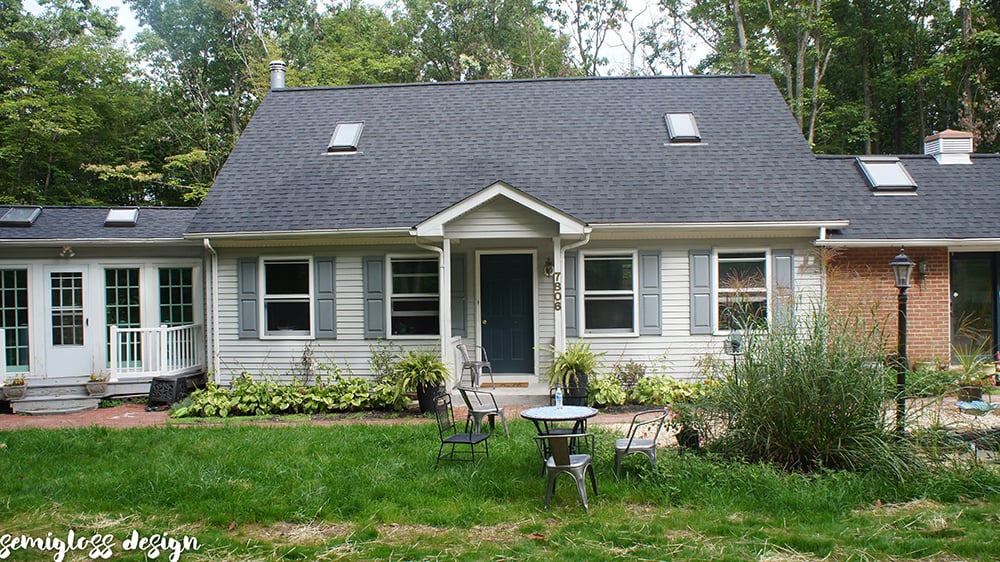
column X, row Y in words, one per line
column 448, row 431
column 555, row 451
column 474, row 366
column 641, row 438
column 482, row 404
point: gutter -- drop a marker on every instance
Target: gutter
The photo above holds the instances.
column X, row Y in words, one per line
column 921, row 242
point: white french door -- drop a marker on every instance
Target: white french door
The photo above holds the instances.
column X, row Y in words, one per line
column 69, row 338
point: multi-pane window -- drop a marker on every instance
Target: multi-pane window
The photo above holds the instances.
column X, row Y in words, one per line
column 67, row 307
column 123, row 309
column 742, row 294
column 414, row 297
column 609, row 293
column 176, row 296
column 287, row 303
column 14, row 317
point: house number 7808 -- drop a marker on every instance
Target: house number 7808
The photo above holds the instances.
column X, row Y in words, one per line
column 556, row 291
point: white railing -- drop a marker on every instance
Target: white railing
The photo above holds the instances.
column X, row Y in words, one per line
column 3, row 355
column 156, row 351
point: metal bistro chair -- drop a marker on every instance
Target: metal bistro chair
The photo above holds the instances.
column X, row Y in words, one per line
column 562, row 461
column 482, row 404
column 637, row 441
column 448, row 431
column 475, row 367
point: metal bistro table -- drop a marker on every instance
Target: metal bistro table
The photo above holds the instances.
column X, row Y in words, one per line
column 546, row 418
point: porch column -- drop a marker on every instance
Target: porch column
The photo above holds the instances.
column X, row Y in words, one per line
column 559, row 340
column 444, row 299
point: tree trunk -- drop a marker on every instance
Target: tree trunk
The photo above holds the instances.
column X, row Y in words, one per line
column 743, row 63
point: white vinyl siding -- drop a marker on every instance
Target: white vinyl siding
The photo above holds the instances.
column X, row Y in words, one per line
column 499, row 219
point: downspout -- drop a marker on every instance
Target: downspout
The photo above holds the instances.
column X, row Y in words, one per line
column 560, row 335
column 444, row 291
column 214, row 324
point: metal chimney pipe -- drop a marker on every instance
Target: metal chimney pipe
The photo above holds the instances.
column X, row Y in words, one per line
column 277, row 74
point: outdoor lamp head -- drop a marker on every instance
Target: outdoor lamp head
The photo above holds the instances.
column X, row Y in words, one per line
column 902, row 267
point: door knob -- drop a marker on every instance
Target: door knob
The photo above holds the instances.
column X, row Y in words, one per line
column 484, row 322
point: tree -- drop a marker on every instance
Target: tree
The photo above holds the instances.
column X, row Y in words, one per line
column 588, row 23
column 65, row 87
column 481, row 39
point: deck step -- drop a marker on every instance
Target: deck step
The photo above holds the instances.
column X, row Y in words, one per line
column 45, row 405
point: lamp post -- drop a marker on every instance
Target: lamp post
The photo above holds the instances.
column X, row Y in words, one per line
column 902, row 267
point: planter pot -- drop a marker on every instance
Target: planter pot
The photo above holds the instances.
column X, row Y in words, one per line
column 689, row 438
column 426, row 396
column 14, row 392
column 577, row 395
column 970, row 393
column 97, row 388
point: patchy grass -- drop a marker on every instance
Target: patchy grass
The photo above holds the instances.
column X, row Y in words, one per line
column 370, row 492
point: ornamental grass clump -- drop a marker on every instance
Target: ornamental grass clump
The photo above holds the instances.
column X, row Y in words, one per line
column 811, row 396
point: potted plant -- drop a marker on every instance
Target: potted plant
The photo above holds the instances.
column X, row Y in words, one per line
column 423, row 372
column 14, row 388
column 98, row 384
column 975, row 366
column 571, row 369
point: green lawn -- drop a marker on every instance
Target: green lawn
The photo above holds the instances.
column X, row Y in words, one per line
column 363, row 492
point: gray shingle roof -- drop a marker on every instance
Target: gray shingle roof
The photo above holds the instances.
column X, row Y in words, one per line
column 951, row 201
column 596, row 149
column 87, row 223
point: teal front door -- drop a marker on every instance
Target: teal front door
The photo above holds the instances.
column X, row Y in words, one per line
column 506, row 308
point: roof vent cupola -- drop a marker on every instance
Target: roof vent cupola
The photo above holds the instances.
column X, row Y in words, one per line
column 278, row 68
column 949, row 147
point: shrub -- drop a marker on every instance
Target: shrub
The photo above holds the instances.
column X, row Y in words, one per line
column 660, row 390
column 606, row 391
column 810, row 396
column 628, row 374
column 248, row 397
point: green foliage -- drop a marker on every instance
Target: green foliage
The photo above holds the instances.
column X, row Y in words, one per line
column 662, row 390
column 809, row 397
column 248, row 397
column 606, row 391
column 568, row 364
column 419, row 368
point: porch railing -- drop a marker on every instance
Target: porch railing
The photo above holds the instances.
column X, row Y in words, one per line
column 156, row 351
column 3, row 356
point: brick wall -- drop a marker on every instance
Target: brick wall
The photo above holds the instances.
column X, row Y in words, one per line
column 859, row 281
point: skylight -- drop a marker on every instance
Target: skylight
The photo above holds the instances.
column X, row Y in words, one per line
column 886, row 173
column 346, row 137
column 122, row 217
column 682, row 127
column 20, row 216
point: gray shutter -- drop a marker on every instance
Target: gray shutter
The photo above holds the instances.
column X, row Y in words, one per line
column 373, row 279
column 650, row 310
column 326, row 298
column 701, row 291
column 570, row 294
column 246, row 287
column 783, row 285
column 458, row 295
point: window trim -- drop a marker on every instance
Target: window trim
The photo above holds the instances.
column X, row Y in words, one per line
column 675, row 136
column 768, row 274
column 346, row 147
column 262, row 304
column 582, row 284
column 390, row 295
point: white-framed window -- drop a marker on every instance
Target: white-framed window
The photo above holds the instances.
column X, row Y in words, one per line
column 287, row 297
column 742, row 290
column 414, row 296
column 609, row 289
